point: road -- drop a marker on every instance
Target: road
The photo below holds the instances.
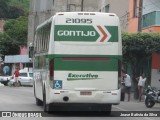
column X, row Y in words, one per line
column 22, row 99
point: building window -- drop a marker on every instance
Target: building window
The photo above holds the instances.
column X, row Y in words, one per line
column 107, row 8
column 135, row 8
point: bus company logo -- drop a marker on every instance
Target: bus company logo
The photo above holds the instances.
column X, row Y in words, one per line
column 83, row 33
column 88, row 76
column 76, row 33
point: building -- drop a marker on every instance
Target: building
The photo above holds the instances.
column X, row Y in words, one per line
column 151, row 23
column 126, row 10
column 122, row 10
column 23, row 61
column 129, row 12
column 40, row 10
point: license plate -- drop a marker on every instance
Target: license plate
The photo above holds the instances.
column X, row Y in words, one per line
column 85, row 93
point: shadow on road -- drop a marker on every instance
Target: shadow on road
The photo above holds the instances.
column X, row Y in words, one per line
column 79, row 114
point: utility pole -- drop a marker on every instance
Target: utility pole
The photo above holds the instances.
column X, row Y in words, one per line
column 140, row 16
column 82, row 5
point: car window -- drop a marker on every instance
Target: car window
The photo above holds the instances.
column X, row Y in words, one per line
column 31, row 74
column 23, row 74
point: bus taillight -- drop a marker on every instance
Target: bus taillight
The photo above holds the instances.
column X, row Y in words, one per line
column 119, row 73
column 51, row 69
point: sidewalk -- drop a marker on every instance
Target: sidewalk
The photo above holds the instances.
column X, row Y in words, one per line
column 132, row 99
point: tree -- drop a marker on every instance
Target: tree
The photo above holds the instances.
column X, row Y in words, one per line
column 17, row 30
column 10, row 10
column 15, row 12
column 137, row 51
column 8, row 46
column 4, row 8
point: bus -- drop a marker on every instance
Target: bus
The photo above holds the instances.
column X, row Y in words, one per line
column 77, row 62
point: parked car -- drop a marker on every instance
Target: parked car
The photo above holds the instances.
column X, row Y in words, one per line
column 25, row 78
column 5, row 79
column 1, row 84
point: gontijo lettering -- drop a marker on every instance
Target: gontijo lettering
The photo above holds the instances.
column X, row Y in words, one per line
column 76, row 33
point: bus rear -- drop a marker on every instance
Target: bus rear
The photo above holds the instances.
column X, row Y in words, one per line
column 85, row 52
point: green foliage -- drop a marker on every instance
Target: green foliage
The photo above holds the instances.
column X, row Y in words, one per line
column 15, row 12
column 137, row 52
column 12, row 9
column 7, row 45
column 22, row 3
column 3, row 8
column 17, row 29
column 140, row 45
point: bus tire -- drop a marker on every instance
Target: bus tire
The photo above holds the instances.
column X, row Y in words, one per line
column 39, row 102
column 108, row 111
column 46, row 107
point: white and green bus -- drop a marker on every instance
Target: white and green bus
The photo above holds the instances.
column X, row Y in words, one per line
column 77, row 61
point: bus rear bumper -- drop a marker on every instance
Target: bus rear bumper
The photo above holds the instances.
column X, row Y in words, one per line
column 104, row 97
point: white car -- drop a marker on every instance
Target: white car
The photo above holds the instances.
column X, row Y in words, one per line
column 25, row 78
column 5, row 79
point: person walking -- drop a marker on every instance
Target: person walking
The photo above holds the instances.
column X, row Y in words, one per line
column 16, row 75
column 127, row 83
column 141, row 84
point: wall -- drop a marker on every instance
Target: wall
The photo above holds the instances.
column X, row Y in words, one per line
column 152, row 29
column 155, row 75
column 40, row 10
column 150, row 6
column 122, row 10
column 133, row 19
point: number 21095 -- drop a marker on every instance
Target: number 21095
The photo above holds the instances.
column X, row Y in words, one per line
column 77, row 20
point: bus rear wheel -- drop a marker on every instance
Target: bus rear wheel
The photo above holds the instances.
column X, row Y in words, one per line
column 108, row 111
column 46, row 107
column 39, row 102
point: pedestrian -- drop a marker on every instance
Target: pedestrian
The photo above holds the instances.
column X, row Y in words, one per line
column 127, row 83
column 141, row 84
column 16, row 75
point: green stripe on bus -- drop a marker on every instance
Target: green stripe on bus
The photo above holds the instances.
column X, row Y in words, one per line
column 78, row 65
column 113, row 30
